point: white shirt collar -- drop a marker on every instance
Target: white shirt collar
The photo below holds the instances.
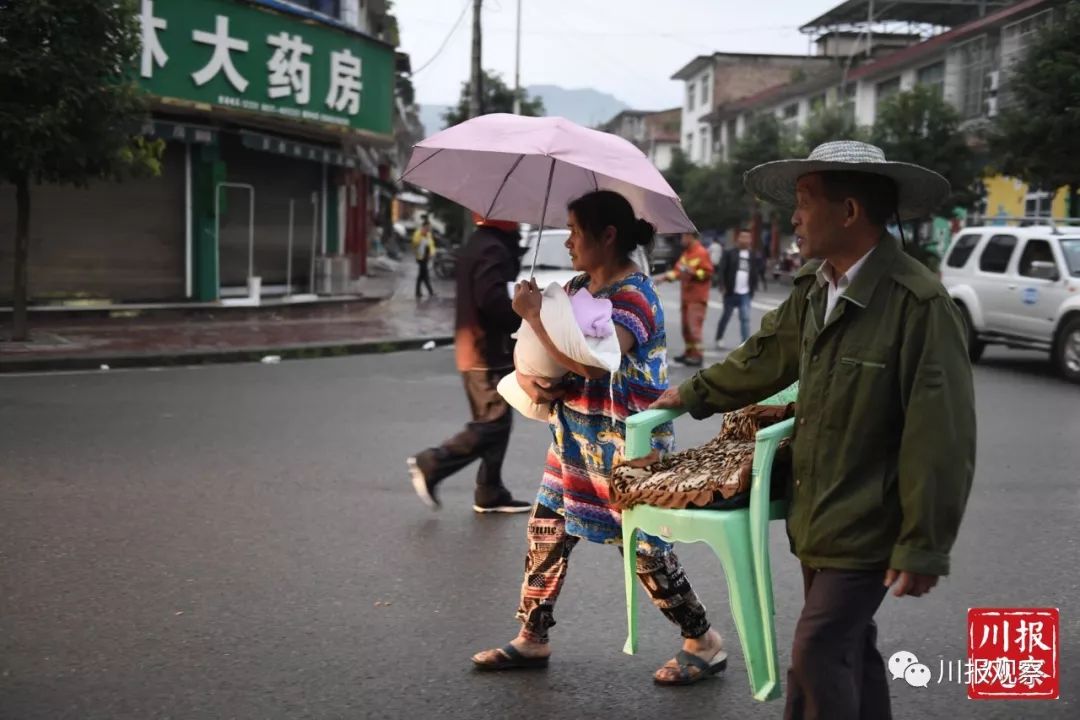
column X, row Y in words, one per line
column 825, row 274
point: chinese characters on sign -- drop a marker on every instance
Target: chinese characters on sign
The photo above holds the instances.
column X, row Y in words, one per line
column 1013, row 653
column 240, row 56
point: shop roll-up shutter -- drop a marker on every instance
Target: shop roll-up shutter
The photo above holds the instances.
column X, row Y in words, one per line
column 113, row 240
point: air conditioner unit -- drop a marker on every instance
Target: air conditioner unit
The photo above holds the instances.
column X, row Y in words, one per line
column 991, row 107
column 993, row 80
column 333, row 274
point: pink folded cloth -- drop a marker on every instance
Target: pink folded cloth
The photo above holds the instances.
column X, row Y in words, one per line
column 593, row 315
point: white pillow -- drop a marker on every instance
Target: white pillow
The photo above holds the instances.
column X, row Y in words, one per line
column 532, row 358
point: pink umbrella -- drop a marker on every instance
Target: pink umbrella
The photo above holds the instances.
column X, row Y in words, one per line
column 527, row 169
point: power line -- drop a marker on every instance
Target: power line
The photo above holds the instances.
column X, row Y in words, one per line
column 442, row 47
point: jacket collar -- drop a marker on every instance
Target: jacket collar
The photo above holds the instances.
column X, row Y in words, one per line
column 878, row 264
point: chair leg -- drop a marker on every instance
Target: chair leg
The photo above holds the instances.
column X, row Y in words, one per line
column 629, row 537
column 746, row 610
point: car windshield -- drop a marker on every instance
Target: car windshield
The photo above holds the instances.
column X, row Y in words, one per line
column 1071, row 248
column 553, row 253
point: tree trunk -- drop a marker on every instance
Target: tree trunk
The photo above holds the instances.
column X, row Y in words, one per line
column 22, row 251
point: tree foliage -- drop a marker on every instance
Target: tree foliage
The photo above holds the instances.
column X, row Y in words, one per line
column 918, row 126
column 70, row 107
column 826, row 125
column 498, row 97
column 1035, row 137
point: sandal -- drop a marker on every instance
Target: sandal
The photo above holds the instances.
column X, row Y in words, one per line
column 510, row 658
column 687, row 660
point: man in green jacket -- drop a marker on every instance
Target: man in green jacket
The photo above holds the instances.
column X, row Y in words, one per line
column 884, row 447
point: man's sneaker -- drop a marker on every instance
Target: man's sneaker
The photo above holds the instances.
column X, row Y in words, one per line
column 424, row 488
column 506, row 505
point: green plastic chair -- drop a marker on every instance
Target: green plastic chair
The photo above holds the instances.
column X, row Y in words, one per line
column 739, row 537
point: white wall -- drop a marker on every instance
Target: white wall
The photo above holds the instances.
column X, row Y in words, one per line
column 692, row 117
column 661, row 155
column 865, row 98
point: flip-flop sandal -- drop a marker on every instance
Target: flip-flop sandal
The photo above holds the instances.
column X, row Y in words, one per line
column 686, row 660
column 510, row 659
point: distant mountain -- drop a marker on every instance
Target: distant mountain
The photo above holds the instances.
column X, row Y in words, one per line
column 584, row 106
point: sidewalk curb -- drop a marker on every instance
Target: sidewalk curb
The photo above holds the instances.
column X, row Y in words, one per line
column 305, row 351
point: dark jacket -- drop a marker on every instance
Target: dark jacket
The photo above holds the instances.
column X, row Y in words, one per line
column 489, row 260
column 884, row 450
column 729, row 265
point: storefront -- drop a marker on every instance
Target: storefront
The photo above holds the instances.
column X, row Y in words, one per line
column 270, row 122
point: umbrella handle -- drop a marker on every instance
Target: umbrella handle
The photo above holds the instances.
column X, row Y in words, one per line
column 543, row 216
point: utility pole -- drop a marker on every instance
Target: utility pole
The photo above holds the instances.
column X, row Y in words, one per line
column 517, row 63
column 476, row 95
column 476, row 78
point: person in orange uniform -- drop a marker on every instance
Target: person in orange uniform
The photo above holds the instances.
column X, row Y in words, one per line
column 694, row 272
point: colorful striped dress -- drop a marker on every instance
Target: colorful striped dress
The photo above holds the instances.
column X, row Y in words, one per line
column 588, row 423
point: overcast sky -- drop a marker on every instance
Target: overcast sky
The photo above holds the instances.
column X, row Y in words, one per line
column 628, row 48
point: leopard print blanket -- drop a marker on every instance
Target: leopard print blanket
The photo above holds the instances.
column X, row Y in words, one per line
column 721, row 467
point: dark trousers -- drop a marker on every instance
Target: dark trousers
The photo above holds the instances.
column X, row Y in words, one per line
column 422, row 276
column 733, row 302
column 836, row 670
column 484, row 439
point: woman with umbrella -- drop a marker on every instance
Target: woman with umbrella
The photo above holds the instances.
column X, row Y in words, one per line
column 612, row 198
column 588, row 428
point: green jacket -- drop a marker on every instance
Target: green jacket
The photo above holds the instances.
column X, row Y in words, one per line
column 884, row 448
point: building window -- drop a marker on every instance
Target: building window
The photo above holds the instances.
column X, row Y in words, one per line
column 933, row 77
column 885, row 90
column 690, row 95
column 1016, row 38
column 705, row 144
column 974, row 62
column 690, row 143
column 705, row 91
column 1038, row 204
column 817, row 103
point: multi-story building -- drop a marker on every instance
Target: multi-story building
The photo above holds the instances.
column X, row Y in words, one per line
column 968, row 63
column 656, row 133
column 278, row 119
column 711, row 81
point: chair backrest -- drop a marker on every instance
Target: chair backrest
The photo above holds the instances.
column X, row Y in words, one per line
column 785, row 396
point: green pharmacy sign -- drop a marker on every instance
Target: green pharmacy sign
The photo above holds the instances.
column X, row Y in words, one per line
column 241, row 56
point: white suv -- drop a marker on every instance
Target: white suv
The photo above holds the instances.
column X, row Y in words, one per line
column 1019, row 287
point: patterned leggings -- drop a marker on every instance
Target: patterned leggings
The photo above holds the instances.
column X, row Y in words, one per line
column 545, row 570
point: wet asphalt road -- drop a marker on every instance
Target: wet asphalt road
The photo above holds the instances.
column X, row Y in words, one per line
column 241, row 542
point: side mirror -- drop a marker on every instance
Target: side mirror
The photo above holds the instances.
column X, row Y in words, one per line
column 1044, row 270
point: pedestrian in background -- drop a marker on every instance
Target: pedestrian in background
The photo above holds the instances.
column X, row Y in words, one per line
column 884, row 447
column 694, row 271
column 423, row 243
column 485, row 318
column 589, row 434
column 738, row 282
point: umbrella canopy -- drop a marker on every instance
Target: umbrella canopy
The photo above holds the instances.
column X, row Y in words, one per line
column 528, row 169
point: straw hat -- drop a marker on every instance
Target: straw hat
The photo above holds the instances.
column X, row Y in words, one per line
column 919, row 190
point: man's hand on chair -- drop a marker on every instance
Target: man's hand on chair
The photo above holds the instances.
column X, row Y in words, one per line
column 670, row 400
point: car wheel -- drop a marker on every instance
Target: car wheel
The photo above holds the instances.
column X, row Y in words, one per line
column 1067, row 350
column 975, row 345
